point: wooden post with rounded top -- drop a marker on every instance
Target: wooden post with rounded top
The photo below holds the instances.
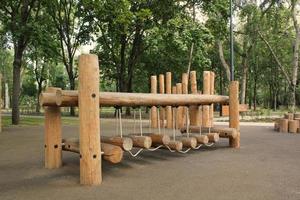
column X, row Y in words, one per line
column 169, row 117
column 206, row 108
column 154, row 108
column 234, row 116
column 179, row 114
column 195, row 113
column 212, row 91
column 185, row 90
column 53, row 135
column 161, row 80
column 89, row 121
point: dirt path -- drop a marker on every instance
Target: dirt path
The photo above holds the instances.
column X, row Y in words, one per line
column 266, row 167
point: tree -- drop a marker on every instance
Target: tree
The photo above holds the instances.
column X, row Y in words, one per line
column 18, row 18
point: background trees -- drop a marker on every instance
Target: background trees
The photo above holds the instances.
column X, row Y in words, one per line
column 40, row 41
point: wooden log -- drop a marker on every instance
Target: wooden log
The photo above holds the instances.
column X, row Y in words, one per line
column 157, row 139
column 189, row 142
column 213, row 137
column 53, row 135
column 234, row 115
column 206, row 108
column 141, row 141
column 276, row 124
column 179, row 110
column 89, row 121
column 124, row 142
column 169, row 117
column 289, row 116
column 154, row 108
column 201, row 139
column 293, row 126
column 195, row 113
column 162, row 113
column 283, row 125
column 111, row 153
column 175, row 145
column 49, row 99
column 212, row 91
column 223, row 132
column 143, row 99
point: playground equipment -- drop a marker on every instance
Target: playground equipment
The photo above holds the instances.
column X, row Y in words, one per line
column 290, row 123
column 91, row 146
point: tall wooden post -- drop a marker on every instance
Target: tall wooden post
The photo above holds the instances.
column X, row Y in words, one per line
column 162, row 114
column 89, row 121
column 212, row 91
column 234, row 117
column 179, row 114
column 53, row 135
column 185, row 90
column 195, row 113
column 169, row 91
column 154, row 108
column 206, row 108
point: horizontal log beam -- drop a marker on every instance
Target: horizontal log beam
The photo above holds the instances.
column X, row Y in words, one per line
column 223, row 132
column 66, row 98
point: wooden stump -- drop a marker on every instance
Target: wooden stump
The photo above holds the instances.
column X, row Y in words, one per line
column 283, row 125
column 293, row 126
column 89, row 121
column 289, row 116
column 297, row 116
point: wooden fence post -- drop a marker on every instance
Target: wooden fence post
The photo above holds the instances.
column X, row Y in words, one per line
column 206, row 108
column 154, row 108
column 169, row 91
column 212, row 91
column 162, row 91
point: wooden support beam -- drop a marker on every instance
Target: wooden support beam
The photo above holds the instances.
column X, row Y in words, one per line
column 89, row 121
column 154, row 108
column 169, row 117
column 124, row 142
column 206, row 108
column 234, row 115
column 162, row 113
column 111, row 153
column 195, row 113
column 185, row 90
column 53, row 135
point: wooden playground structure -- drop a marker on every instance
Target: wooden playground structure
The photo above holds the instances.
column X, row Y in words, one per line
column 171, row 107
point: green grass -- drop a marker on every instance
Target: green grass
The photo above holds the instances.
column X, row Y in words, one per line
column 36, row 121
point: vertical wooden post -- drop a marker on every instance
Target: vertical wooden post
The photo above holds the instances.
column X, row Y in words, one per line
column 206, row 108
column 53, row 135
column 169, row 91
column 154, row 108
column 195, row 114
column 162, row 114
column 234, row 117
column 212, row 91
column 185, row 90
column 179, row 115
column 89, row 121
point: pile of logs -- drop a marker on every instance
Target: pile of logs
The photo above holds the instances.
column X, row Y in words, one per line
column 289, row 124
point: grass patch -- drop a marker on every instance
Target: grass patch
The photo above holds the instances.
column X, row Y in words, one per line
column 36, row 121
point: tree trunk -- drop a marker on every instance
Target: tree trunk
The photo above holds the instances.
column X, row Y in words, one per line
column 244, row 81
column 7, row 99
column 223, row 61
column 38, row 106
column 72, row 87
column 16, row 84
